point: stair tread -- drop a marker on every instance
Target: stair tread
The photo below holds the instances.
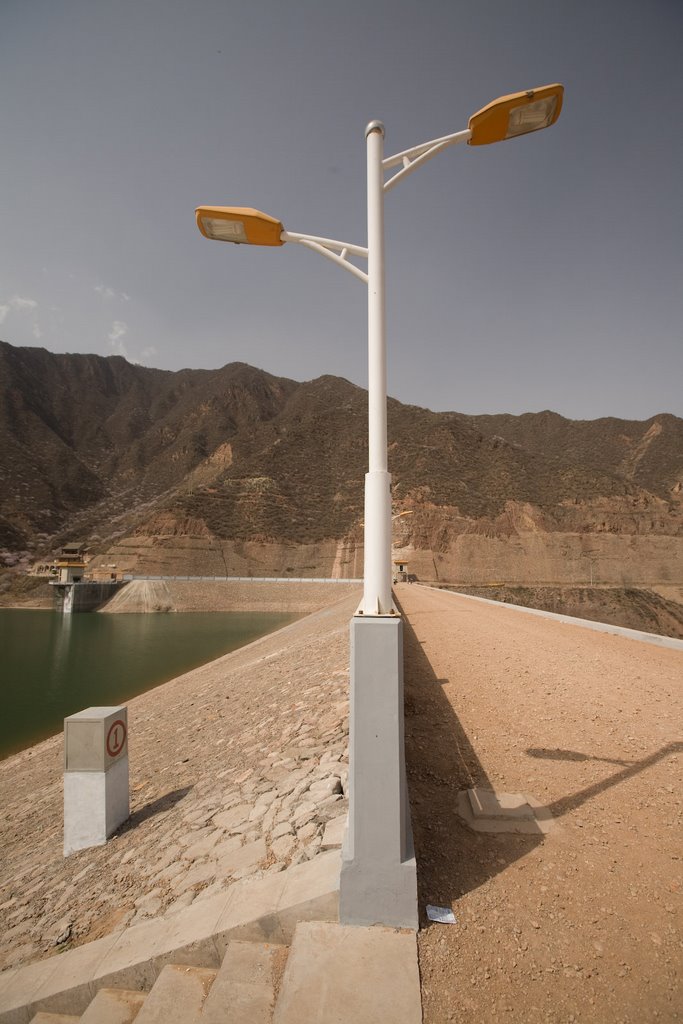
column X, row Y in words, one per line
column 245, row 985
column 177, row 996
column 350, row 975
column 114, row 1006
column 45, row 1017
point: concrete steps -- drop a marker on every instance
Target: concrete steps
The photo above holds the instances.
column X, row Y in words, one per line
column 110, row 1006
column 244, row 989
column 263, row 910
column 219, row 961
column 334, row 974
column 178, row 995
column 54, row 1018
column 341, row 974
column 113, row 1006
column 241, row 991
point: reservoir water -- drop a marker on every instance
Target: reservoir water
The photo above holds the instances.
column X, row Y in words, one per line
column 52, row 665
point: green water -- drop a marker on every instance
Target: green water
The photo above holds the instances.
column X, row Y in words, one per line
column 52, row 665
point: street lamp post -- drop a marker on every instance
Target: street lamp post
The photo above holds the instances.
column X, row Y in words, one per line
column 377, row 598
column 378, row 880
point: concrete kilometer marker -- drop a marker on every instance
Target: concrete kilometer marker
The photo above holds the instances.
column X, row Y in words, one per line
column 96, row 789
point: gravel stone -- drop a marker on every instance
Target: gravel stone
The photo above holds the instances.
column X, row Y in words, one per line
column 283, row 829
column 283, row 846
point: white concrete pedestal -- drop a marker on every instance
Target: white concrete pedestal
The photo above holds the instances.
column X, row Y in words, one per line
column 378, row 877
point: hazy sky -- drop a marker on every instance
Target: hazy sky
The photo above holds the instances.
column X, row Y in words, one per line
column 544, row 272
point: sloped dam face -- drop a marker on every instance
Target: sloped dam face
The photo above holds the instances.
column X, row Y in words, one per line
column 142, row 596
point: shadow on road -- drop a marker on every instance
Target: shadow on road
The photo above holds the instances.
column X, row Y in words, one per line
column 441, row 761
column 569, row 803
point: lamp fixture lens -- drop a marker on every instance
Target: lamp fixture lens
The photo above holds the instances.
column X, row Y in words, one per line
column 531, row 117
column 224, row 230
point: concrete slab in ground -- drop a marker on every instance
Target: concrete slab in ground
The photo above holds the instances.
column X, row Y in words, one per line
column 485, row 810
column 339, row 974
column 487, row 804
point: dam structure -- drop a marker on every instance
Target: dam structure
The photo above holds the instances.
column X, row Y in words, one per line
column 84, row 596
column 239, row 801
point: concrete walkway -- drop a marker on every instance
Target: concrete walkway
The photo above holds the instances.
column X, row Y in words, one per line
column 571, row 620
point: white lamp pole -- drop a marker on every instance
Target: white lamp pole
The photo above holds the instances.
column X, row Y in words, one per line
column 378, row 877
column 377, row 551
column 378, row 883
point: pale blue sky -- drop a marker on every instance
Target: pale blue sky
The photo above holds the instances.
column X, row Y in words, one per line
column 544, row 272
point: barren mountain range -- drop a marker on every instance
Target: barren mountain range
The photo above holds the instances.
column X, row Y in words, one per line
column 237, row 471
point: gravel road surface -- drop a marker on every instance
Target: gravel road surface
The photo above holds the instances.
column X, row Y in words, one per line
column 583, row 924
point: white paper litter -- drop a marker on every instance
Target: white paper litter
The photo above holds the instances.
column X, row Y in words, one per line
column 442, row 915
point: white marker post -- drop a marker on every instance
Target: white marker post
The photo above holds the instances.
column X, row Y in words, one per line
column 96, row 793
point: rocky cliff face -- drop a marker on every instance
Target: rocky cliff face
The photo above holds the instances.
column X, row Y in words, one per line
column 236, row 470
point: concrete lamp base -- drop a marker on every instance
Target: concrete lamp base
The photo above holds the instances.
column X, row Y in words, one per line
column 378, row 877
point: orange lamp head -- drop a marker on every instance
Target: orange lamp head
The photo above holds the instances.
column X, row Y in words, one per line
column 516, row 114
column 239, row 224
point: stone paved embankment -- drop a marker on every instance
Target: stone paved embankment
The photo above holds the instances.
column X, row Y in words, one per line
column 236, row 768
column 227, row 595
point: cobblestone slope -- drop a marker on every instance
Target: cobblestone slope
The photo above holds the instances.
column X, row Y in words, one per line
column 236, row 768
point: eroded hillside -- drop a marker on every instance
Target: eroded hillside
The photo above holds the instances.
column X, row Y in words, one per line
column 237, row 472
